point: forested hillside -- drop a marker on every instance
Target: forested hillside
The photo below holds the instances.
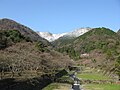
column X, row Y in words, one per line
column 23, row 53
column 8, row 24
column 96, row 48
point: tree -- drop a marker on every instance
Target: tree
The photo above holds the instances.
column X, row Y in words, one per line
column 117, row 65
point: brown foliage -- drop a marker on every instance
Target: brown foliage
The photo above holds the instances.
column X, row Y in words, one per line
column 24, row 56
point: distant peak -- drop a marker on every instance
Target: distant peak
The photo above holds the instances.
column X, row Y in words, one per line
column 52, row 37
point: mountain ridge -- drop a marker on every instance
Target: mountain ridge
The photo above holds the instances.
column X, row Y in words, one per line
column 52, row 37
column 49, row 36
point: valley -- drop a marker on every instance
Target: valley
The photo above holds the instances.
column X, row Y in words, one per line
column 30, row 62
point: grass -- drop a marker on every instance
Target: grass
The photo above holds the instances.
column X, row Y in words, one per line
column 89, row 74
column 102, row 87
column 51, row 86
column 93, row 76
column 57, row 86
column 65, row 79
column 60, row 86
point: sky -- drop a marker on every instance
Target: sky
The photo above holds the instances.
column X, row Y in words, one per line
column 59, row 16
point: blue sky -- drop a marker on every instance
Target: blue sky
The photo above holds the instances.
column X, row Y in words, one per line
column 58, row 16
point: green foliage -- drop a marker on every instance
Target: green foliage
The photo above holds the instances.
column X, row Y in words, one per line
column 62, row 41
column 52, row 86
column 14, row 35
column 99, row 38
column 117, row 66
column 102, row 87
column 28, row 39
column 103, row 39
column 93, row 76
column 98, row 31
column 93, row 60
column 40, row 46
column 57, row 86
column 118, row 60
column 8, row 37
column 70, row 51
column 3, row 40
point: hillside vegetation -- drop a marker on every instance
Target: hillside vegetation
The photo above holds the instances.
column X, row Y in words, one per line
column 8, row 24
column 7, row 38
column 23, row 53
column 96, row 48
column 24, row 56
column 30, row 62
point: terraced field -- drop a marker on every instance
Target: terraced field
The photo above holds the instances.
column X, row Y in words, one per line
column 90, row 79
column 97, row 81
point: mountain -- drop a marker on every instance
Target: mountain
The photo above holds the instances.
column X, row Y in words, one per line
column 8, row 24
column 52, row 37
column 16, row 45
column 97, row 48
column 49, row 36
column 77, row 32
column 22, row 59
column 118, row 32
column 97, row 38
column 69, row 37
